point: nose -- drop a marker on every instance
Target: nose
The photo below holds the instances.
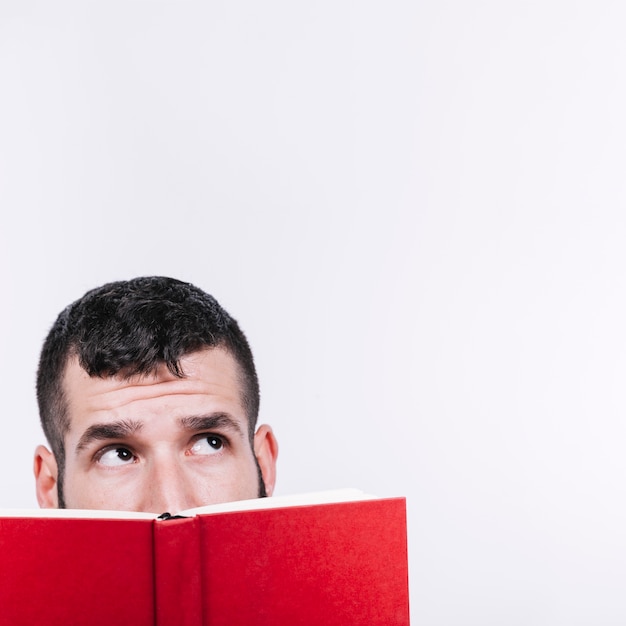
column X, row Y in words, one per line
column 167, row 488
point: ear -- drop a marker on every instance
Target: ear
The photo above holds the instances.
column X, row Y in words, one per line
column 266, row 451
column 46, row 478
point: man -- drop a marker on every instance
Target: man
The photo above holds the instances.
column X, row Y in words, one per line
column 148, row 397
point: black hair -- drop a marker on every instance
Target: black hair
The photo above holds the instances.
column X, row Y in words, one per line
column 132, row 327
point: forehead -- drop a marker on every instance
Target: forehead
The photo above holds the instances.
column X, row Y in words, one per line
column 211, row 378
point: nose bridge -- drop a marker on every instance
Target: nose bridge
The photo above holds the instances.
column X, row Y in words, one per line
column 167, row 488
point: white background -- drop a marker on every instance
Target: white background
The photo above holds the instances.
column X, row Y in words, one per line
column 415, row 209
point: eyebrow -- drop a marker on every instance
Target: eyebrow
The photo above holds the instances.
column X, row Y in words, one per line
column 110, row 430
column 210, row 422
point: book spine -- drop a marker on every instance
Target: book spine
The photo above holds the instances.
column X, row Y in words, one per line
column 177, row 572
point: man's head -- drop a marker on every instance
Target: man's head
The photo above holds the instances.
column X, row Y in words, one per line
column 134, row 379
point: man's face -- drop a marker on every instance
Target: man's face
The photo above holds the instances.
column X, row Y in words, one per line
column 158, row 443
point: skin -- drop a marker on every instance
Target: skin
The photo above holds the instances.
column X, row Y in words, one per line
column 158, row 443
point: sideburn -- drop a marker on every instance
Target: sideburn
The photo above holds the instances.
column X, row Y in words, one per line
column 262, row 490
column 60, row 475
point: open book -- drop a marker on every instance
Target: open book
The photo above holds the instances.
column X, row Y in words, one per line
column 326, row 558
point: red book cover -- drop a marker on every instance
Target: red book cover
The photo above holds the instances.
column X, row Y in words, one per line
column 75, row 571
column 334, row 563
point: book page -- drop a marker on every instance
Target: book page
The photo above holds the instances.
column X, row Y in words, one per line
column 75, row 514
column 300, row 499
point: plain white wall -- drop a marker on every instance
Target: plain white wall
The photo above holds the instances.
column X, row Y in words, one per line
column 416, row 212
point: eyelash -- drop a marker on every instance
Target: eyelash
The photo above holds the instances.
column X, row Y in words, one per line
column 211, row 436
column 120, row 446
column 208, row 436
column 113, row 447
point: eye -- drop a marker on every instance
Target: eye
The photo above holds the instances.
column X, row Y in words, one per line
column 113, row 457
column 207, row 445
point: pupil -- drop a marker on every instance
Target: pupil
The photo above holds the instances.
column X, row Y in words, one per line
column 214, row 442
column 123, row 454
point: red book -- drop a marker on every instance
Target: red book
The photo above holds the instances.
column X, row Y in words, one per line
column 275, row 561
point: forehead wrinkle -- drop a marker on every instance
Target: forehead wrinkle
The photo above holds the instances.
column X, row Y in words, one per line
column 109, row 430
column 116, row 392
column 123, row 398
